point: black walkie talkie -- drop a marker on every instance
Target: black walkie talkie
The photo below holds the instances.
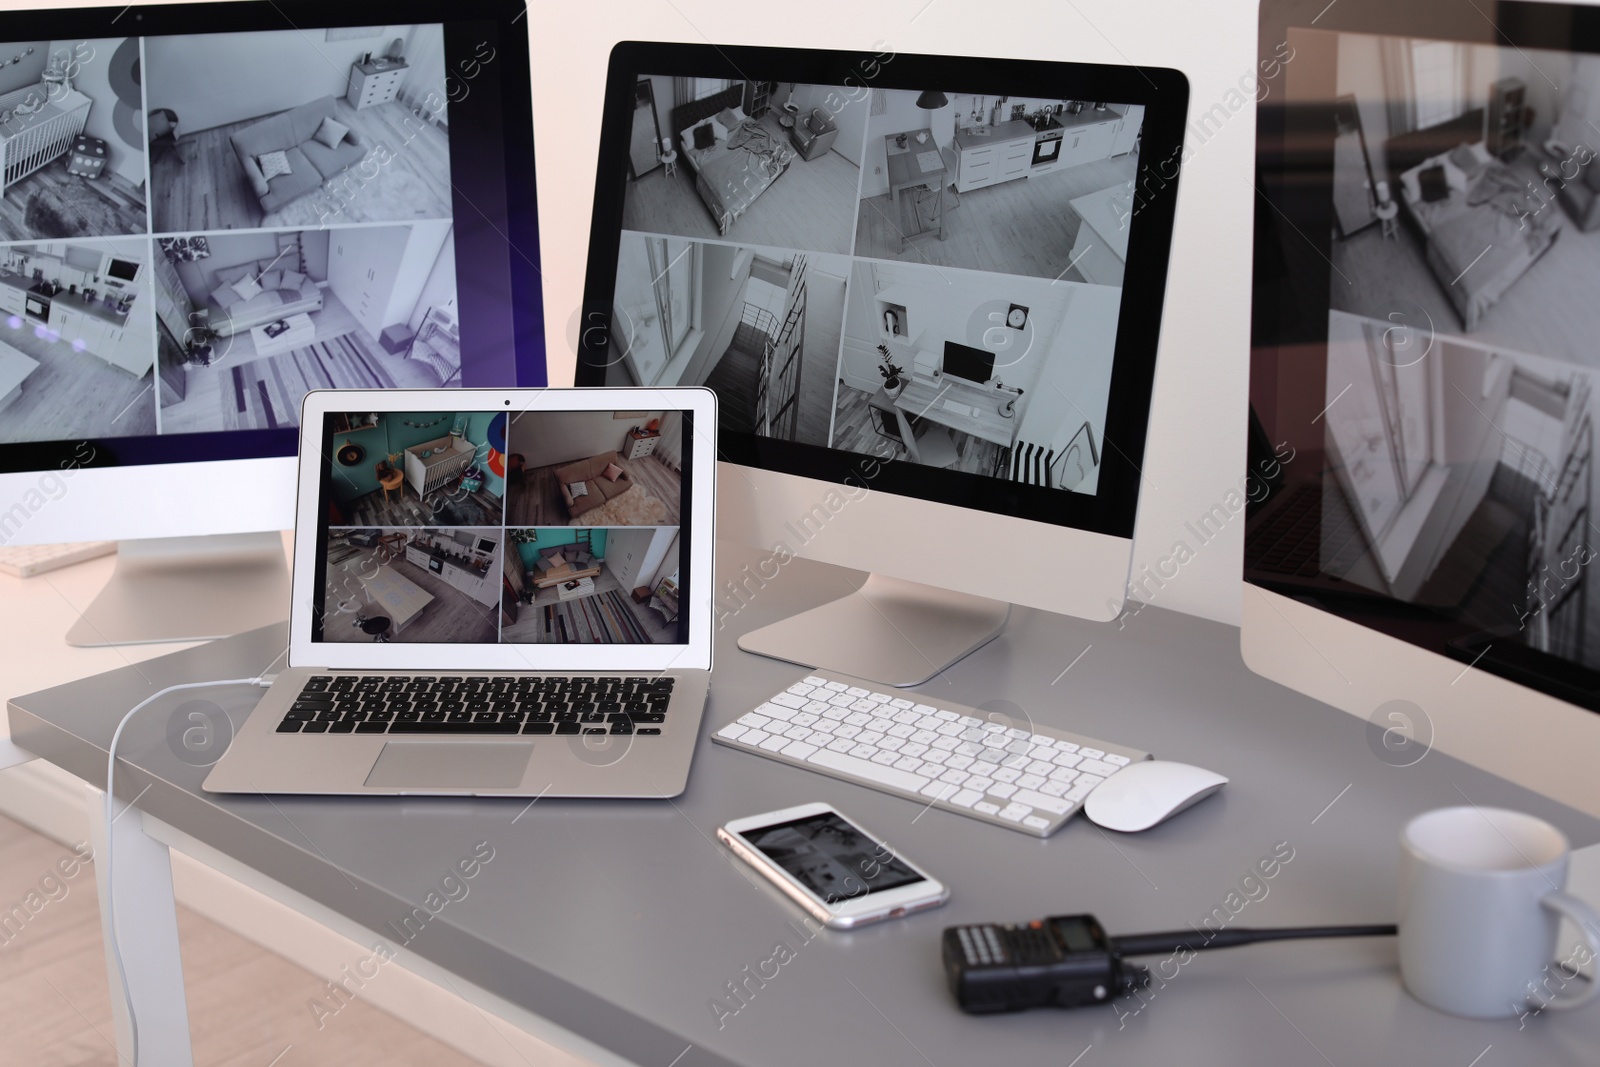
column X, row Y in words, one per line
column 1064, row 961
column 1067, row 961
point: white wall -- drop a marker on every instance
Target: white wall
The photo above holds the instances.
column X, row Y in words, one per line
column 93, row 80
column 440, row 288
column 564, row 436
column 216, row 79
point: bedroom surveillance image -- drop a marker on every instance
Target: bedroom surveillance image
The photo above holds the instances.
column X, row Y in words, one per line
column 1463, row 182
column 758, row 162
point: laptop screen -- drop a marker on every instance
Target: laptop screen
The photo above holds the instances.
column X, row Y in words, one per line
column 485, row 527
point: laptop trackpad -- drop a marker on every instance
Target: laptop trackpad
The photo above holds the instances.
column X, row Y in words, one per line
column 464, row 765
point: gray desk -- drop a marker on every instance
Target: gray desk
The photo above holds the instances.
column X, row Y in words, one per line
column 623, row 920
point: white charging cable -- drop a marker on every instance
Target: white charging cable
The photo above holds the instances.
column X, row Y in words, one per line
column 111, row 897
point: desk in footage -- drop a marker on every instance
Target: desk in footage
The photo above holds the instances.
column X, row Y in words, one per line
column 627, row 925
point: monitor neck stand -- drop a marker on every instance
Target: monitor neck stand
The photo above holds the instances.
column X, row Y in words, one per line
column 187, row 589
column 891, row 631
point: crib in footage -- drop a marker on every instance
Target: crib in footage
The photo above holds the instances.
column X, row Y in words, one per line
column 434, row 464
column 38, row 124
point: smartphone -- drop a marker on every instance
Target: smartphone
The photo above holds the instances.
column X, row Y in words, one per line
column 832, row 868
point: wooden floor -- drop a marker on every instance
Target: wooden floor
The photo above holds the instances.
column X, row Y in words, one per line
column 1025, row 226
column 854, row 431
column 536, row 499
column 50, row 203
column 211, row 403
column 74, row 395
column 451, row 617
column 207, row 188
column 529, row 627
column 811, row 206
column 247, row 1006
column 734, row 379
column 1551, row 310
column 442, row 507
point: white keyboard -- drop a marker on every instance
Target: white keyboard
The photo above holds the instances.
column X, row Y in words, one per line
column 959, row 408
column 25, row 561
column 1017, row 775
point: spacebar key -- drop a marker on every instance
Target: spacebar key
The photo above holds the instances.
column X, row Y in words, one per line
column 872, row 772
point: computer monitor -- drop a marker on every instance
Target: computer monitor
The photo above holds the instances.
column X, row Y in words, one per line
column 1423, row 379
column 807, row 232
column 214, row 208
column 970, row 364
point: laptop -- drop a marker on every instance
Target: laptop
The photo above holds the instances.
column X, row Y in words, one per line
column 495, row 592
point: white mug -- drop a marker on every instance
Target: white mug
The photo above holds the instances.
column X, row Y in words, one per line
column 1481, row 900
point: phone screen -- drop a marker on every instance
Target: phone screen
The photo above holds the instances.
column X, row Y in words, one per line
column 832, row 858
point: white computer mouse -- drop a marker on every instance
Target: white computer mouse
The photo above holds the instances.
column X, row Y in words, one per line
column 1143, row 794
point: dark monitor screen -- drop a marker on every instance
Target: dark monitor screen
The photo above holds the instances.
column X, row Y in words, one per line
column 296, row 202
column 964, row 361
column 1423, row 381
column 753, row 233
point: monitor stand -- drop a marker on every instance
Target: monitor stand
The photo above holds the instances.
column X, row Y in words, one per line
column 891, row 631
column 187, row 589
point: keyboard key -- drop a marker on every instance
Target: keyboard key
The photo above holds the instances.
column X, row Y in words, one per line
column 1055, row 805
column 886, row 759
column 837, row 687
column 801, row 689
column 1006, row 774
column 938, row 713
column 983, row 767
column 1031, row 781
column 863, row 752
column 861, row 768
column 752, row 720
column 945, row 744
column 819, row 707
column 940, row 790
column 986, row 807
column 913, row 748
column 901, row 730
column 841, row 700
column 1067, row 759
column 1053, row 789
column 1116, row 760
column 879, row 698
column 799, row 750
column 790, row 700
column 907, row 763
column 1066, row 746
column 550, row 728
column 954, row 777
column 855, row 718
column 891, row 744
column 289, row 726
column 935, row 756
column 927, row 722
column 814, row 680
column 1079, row 790
column 846, row 731
column 1040, row 766
column 902, row 702
column 1002, row 790
column 1041, row 741
column 1015, row 812
column 753, row 738
column 777, row 711
column 966, row 798
column 1092, row 753
column 1035, row 822
column 797, row 733
column 840, row 744
column 980, row 783
column 1088, row 779
column 774, row 743
column 1100, row 767
column 868, row 737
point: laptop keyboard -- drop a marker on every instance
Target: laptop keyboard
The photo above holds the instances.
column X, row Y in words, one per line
column 478, row 704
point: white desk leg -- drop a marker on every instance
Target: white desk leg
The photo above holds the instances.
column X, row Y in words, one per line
column 147, row 930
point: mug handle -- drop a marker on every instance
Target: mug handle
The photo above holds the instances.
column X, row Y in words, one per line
column 1588, row 923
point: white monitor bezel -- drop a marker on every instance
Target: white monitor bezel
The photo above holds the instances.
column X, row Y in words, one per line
column 700, row 544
